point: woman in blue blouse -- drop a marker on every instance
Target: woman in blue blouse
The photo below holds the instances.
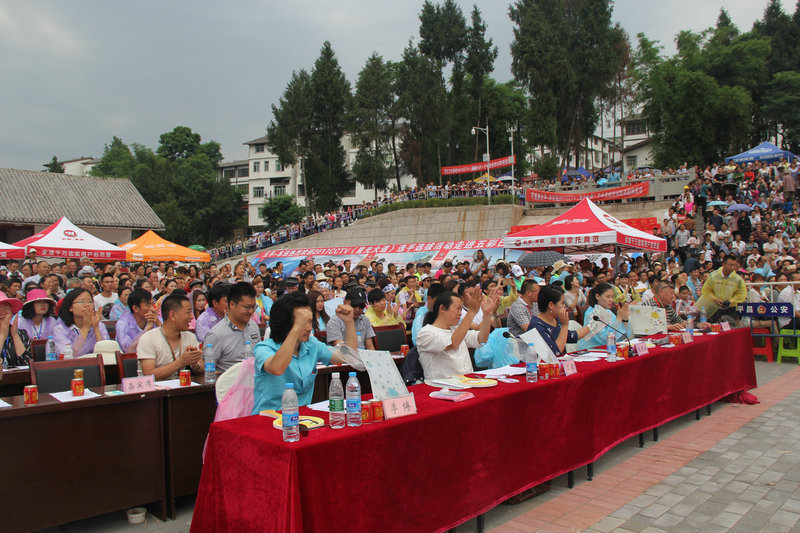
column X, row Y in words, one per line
column 291, row 353
column 601, row 297
column 553, row 320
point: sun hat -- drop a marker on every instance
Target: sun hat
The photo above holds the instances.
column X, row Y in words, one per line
column 15, row 304
column 38, row 295
column 516, row 270
column 559, row 265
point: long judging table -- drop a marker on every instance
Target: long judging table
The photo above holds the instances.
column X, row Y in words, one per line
column 72, row 460
column 453, row 461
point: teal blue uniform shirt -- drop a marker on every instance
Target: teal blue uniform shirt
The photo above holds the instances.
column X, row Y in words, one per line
column 302, row 371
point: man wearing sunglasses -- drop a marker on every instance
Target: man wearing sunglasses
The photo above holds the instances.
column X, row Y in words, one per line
column 335, row 328
column 229, row 334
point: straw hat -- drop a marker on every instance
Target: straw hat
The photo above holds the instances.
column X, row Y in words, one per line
column 559, row 265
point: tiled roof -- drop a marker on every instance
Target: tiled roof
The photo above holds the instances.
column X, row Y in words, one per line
column 29, row 197
column 257, row 141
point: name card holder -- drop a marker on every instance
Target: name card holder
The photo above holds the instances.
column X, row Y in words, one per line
column 569, row 368
column 726, row 326
column 138, row 384
column 686, row 337
column 641, row 348
column 398, row 406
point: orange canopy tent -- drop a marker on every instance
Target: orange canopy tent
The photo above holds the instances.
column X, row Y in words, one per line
column 151, row 247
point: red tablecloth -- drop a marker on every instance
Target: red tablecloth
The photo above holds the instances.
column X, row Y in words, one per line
column 451, row 462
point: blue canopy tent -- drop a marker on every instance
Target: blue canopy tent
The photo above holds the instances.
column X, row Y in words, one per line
column 764, row 152
column 580, row 171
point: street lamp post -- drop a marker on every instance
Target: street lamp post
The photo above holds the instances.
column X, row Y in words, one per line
column 486, row 131
column 511, row 130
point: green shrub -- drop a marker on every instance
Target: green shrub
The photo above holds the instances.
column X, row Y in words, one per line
column 437, row 202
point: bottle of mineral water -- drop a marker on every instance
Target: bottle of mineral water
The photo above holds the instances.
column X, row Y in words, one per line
column 290, row 414
column 248, row 349
column 690, row 325
column 353, row 401
column 360, row 342
column 336, row 402
column 68, row 354
column 209, row 363
column 611, row 346
column 703, row 315
column 531, row 368
column 50, row 351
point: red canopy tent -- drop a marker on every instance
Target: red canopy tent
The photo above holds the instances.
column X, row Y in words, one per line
column 9, row 251
column 585, row 228
column 65, row 239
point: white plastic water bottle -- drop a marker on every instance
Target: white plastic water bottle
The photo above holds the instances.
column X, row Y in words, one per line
column 690, row 325
column 336, row 403
column 290, row 414
column 209, row 363
column 353, row 402
column 531, row 368
column 50, row 350
column 248, row 349
column 360, row 341
column 703, row 319
column 68, row 354
column 611, row 346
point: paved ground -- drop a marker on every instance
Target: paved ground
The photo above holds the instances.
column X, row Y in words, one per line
column 738, row 469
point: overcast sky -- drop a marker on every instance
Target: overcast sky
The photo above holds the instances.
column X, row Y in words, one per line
column 74, row 73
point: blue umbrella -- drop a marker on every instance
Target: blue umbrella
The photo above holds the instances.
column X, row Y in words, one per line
column 715, row 203
column 739, row 207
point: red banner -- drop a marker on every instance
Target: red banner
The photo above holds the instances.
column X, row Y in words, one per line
column 480, row 167
column 617, row 193
column 369, row 251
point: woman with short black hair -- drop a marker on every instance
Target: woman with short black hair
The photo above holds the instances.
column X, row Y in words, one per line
column 552, row 323
column 79, row 324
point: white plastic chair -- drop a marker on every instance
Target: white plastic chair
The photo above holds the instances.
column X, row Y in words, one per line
column 226, row 380
column 572, row 347
column 108, row 349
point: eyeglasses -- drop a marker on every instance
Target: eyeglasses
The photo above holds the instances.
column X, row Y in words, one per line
column 248, row 308
column 83, row 302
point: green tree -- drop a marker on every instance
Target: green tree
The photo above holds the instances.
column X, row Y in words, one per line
column 371, row 122
column 479, row 63
column 281, row 210
column 308, row 126
column 566, row 54
column 782, row 107
column 54, row 166
column 179, row 180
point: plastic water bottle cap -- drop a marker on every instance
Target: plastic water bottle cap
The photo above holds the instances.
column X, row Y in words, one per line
column 49, row 336
column 351, row 374
column 290, row 385
column 247, row 342
column 209, row 345
column 335, row 375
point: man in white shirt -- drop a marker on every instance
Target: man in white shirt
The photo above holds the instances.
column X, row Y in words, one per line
column 164, row 351
column 105, row 300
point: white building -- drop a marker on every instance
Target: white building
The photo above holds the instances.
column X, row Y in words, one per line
column 261, row 176
column 80, row 166
column 637, row 143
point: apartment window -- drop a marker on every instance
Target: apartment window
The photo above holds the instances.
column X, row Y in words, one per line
column 242, row 173
column 596, row 157
column 259, row 147
column 637, row 127
column 280, row 190
column 266, row 166
column 256, row 166
column 368, row 186
column 301, row 191
column 278, row 166
column 258, row 192
column 229, row 173
column 631, row 161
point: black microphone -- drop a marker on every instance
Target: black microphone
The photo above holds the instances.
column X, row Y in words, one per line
column 597, row 318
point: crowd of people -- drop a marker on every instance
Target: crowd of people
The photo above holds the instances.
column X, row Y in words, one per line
column 348, row 214
column 163, row 311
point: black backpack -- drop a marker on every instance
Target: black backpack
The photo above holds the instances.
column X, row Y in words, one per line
column 412, row 369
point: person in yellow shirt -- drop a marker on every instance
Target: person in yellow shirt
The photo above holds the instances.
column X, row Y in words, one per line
column 724, row 288
column 379, row 313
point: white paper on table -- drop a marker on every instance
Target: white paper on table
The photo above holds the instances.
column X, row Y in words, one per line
column 23, row 367
column 383, row 374
column 173, row 383
column 542, row 349
column 323, row 406
column 507, row 370
column 66, row 396
column 587, row 358
column 4, row 404
column 450, row 383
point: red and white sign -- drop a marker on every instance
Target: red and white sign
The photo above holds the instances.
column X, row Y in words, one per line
column 583, row 227
column 617, row 193
column 444, row 248
column 480, row 167
column 65, row 239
